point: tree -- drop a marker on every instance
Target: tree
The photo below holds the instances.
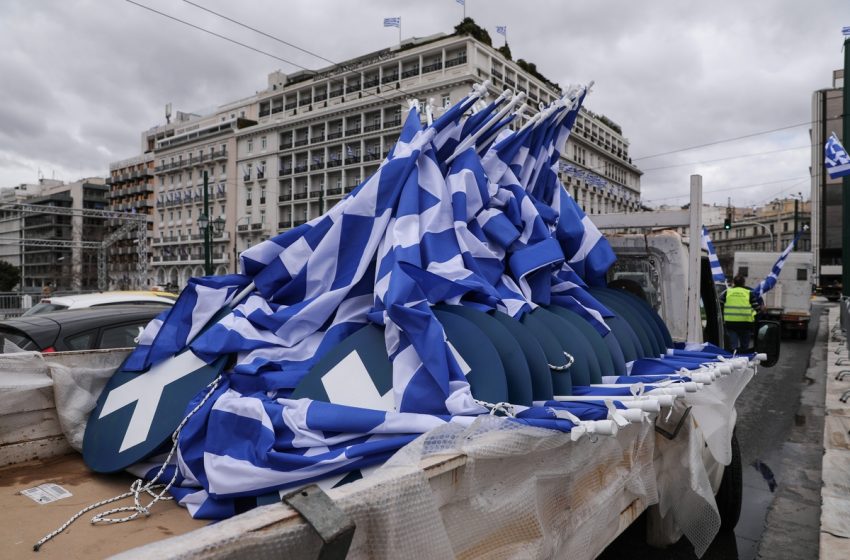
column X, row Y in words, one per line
column 10, row 275
column 468, row 27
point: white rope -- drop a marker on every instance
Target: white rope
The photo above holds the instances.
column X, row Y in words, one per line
column 137, row 487
column 505, row 408
column 570, row 361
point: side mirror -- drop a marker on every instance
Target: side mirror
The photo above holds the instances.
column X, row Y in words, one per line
column 768, row 338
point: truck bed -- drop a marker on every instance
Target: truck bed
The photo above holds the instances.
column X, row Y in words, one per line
column 23, row 521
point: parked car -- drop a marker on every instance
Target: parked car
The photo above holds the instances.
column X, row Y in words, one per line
column 83, row 301
column 112, row 326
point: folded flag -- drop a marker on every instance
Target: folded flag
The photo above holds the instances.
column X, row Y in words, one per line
column 392, row 22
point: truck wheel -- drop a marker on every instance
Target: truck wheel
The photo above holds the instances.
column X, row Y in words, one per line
column 729, row 495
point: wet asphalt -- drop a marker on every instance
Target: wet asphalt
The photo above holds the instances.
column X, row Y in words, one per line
column 780, row 431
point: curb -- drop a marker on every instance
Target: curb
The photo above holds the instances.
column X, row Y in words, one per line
column 835, row 493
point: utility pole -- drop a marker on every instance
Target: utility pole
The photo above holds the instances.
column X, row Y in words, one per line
column 796, row 219
column 845, row 193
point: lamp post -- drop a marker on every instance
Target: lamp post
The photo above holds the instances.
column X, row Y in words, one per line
column 208, row 227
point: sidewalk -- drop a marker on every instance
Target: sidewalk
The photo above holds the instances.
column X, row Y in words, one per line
column 835, row 493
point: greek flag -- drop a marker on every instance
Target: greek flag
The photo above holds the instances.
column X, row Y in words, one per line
column 845, row 31
column 835, row 158
column 502, row 30
column 716, row 270
column 768, row 283
column 461, row 2
column 482, row 231
column 392, row 22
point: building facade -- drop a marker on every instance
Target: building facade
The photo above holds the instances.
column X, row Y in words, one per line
column 131, row 189
column 827, row 111
column 768, row 228
column 288, row 153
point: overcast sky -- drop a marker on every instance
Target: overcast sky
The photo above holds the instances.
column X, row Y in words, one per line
column 80, row 79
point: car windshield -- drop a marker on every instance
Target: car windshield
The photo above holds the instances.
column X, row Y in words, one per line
column 20, row 340
column 44, row 307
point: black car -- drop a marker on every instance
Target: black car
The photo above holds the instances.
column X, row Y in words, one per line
column 115, row 326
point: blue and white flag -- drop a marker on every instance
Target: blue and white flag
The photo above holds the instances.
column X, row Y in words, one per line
column 461, row 2
column 485, row 232
column 716, row 270
column 392, row 22
column 835, row 158
column 845, row 31
column 502, row 30
column 768, row 283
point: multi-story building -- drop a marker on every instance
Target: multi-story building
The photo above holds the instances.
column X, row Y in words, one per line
column 131, row 190
column 290, row 152
column 60, row 261
column 12, row 221
column 827, row 111
column 766, row 228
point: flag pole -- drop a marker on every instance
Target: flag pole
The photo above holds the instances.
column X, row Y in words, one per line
column 845, row 193
column 399, row 31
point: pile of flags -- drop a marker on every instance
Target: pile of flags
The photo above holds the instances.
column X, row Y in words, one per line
column 464, row 211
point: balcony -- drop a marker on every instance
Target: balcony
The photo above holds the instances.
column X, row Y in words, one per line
column 372, row 127
column 301, row 142
column 242, row 227
column 393, row 123
column 264, row 112
column 220, row 154
column 290, row 106
column 390, row 78
column 301, row 168
column 316, row 166
column 285, row 197
column 334, row 162
column 351, row 88
column 496, row 73
column 334, row 135
column 410, row 73
column 318, row 138
column 371, row 157
column 320, row 97
column 432, row 67
column 351, row 160
column 304, row 102
column 370, row 83
column 297, row 223
column 332, row 192
column 457, row 61
column 286, row 145
column 300, row 195
column 284, row 171
column 352, row 131
column 283, row 225
column 257, row 227
column 336, row 93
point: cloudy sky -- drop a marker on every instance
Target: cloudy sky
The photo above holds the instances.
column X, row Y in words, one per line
column 82, row 78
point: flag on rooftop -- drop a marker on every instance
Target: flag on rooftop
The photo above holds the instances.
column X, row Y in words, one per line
column 502, row 30
column 392, row 22
column 461, row 2
column 846, row 30
column 768, row 283
column 835, row 158
column 716, row 270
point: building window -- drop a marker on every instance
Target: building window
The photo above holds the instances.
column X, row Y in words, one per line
column 802, row 274
column 447, row 101
column 263, row 143
column 250, row 145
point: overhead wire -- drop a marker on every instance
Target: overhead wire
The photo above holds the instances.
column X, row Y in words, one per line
column 709, row 191
column 752, row 154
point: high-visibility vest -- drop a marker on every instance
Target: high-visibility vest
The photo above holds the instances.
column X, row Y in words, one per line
column 738, row 308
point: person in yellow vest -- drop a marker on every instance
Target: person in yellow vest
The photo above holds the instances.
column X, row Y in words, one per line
column 739, row 314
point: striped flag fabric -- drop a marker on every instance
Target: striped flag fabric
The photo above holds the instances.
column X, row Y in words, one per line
column 845, row 30
column 494, row 229
column 716, row 270
column 835, row 158
column 768, row 283
column 502, row 30
column 392, row 22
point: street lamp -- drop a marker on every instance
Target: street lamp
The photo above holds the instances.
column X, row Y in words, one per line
column 208, row 227
column 236, row 243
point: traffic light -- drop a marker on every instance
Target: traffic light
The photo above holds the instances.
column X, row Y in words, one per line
column 727, row 223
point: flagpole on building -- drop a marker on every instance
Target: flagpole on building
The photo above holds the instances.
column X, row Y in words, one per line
column 845, row 191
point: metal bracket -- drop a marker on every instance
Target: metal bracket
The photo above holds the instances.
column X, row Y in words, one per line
column 334, row 526
column 678, row 427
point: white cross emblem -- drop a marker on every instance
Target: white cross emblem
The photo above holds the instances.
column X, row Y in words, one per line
column 146, row 390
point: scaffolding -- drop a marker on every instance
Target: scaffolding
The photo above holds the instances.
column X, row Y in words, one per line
column 129, row 224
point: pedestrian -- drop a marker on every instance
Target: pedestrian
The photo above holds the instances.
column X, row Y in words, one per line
column 740, row 306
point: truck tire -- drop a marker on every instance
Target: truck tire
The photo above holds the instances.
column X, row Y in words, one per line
column 729, row 495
